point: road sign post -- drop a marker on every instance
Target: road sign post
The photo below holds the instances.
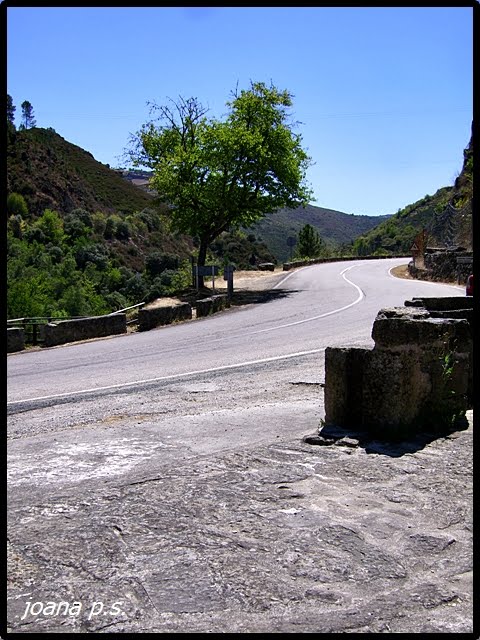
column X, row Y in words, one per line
column 228, row 276
column 291, row 242
column 207, row 270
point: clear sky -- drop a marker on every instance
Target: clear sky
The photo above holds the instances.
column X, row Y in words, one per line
column 383, row 94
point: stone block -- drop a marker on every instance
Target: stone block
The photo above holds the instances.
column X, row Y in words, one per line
column 406, row 327
column 63, row 331
column 418, row 376
column 153, row 316
column 344, row 372
column 211, row 305
column 451, row 303
column 15, row 339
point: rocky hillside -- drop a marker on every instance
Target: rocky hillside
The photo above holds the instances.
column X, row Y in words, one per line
column 52, row 173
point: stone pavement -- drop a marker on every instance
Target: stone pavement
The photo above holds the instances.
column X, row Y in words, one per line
column 281, row 537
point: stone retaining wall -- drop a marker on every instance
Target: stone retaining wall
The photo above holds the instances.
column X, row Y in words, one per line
column 211, row 305
column 15, row 339
column 63, row 331
column 151, row 317
column 419, row 375
column 303, row 263
column 444, row 265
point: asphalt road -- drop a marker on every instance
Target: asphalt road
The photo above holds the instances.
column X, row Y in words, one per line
column 159, row 482
column 318, row 306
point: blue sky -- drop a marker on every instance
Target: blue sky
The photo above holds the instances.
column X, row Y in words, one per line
column 383, row 94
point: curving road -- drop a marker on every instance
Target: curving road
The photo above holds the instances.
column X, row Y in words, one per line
column 331, row 304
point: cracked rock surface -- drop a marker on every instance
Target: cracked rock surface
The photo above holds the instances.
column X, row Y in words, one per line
column 182, row 508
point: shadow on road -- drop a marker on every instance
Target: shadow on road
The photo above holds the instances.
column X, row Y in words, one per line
column 259, row 297
column 240, row 297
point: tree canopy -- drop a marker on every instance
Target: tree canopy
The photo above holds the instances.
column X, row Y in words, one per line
column 218, row 175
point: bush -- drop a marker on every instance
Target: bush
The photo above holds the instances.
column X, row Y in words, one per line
column 16, row 205
column 74, row 227
column 84, row 216
column 94, row 253
column 122, row 231
column 157, row 262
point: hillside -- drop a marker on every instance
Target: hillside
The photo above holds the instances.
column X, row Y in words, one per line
column 52, row 173
column 82, row 240
column 334, row 227
column 55, row 174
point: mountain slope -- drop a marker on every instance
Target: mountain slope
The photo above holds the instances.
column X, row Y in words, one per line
column 334, row 227
column 55, row 174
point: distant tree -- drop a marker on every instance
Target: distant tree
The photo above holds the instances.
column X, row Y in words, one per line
column 16, row 205
column 11, row 108
column 28, row 120
column 309, row 242
column 361, row 246
column 219, row 175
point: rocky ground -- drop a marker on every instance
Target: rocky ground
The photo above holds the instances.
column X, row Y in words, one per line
column 285, row 537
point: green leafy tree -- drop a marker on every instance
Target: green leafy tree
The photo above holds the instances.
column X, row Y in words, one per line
column 11, row 108
column 17, row 225
column 310, row 244
column 51, row 225
column 16, row 205
column 28, row 120
column 218, row 175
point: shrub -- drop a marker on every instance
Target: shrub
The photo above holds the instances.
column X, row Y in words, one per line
column 16, row 205
column 157, row 262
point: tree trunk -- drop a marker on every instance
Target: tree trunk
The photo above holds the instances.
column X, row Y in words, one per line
column 202, row 257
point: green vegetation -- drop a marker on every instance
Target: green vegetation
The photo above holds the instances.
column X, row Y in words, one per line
column 28, row 119
column 396, row 235
column 60, row 266
column 336, row 229
column 103, row 244
column 310, row 245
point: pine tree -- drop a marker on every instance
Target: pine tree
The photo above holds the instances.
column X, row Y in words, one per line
column 28, row 120
column 10, row 109
column 309, row 244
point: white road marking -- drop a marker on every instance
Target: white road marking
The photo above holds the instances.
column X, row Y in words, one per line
column 361, row 295
column 170, row 377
